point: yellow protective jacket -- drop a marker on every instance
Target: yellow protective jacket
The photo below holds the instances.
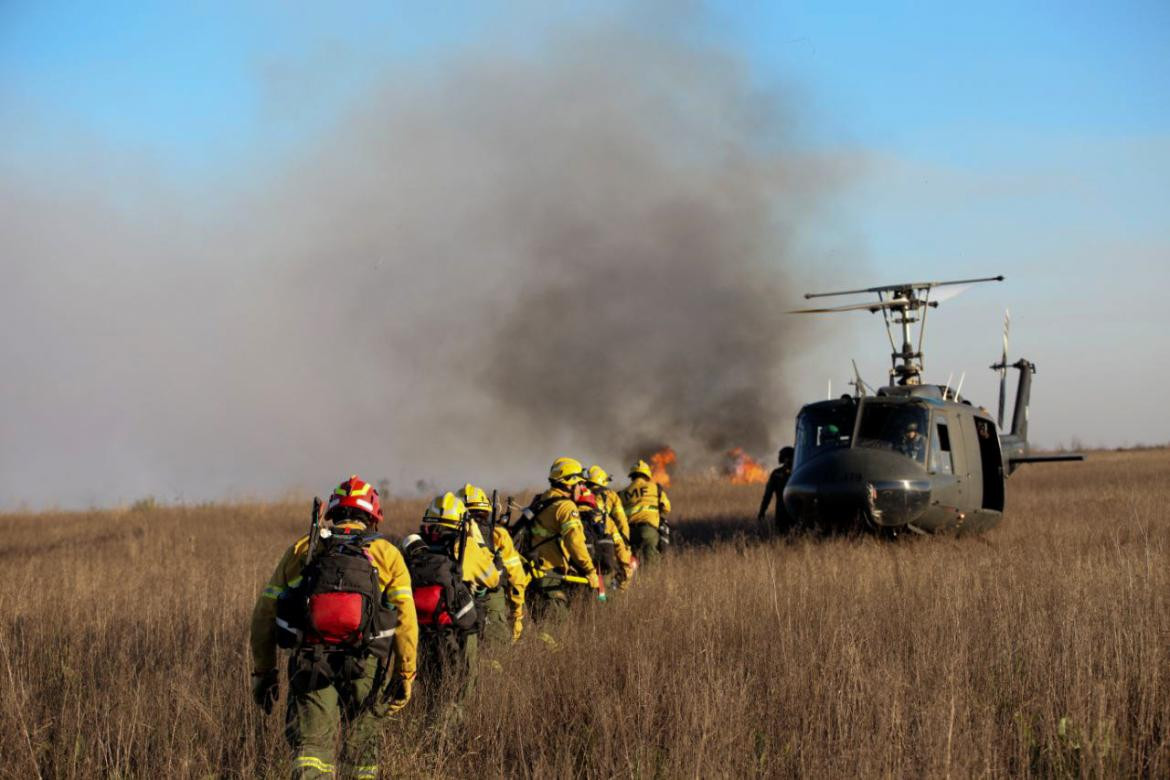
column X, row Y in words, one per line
column 479, row 565
column 645, row 502
column 610, row 504
column 619, row 542
column 392, row 576
column 558, row 538
column 517, row 577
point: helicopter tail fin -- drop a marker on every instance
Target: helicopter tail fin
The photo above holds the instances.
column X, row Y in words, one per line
column 1023, row 396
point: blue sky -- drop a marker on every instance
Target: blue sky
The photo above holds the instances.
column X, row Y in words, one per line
column 1031, row 140
column 197, row 80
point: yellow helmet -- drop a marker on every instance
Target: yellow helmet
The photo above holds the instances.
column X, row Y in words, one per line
column 641, row 468
column 445, row 510
column 474, row 498
column 596, row 475
column 567, row 471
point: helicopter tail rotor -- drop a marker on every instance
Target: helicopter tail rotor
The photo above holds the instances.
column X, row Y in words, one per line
column 1003, row 365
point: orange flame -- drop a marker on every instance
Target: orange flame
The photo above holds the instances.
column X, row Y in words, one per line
column 743, row 469
column 658, row 463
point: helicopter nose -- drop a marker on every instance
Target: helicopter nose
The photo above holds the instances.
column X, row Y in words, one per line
column 839, row 488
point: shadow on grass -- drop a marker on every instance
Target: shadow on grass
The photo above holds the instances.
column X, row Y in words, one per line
column 715, row 530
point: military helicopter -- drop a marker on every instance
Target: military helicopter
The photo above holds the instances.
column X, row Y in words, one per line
column 911, row 456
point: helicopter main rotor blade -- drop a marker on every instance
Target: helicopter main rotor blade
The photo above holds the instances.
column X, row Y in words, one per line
column 905, row 286
column 894, row 303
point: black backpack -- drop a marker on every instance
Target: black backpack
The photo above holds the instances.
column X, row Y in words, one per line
column 442, row 600
column 336, row 617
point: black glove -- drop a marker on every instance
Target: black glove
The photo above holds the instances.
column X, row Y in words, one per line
column 265, row 689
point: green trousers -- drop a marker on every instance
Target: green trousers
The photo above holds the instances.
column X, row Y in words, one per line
column 312, row 722
column 644, row 541
column 548, row 599
column 498, row 618
column 448, row 666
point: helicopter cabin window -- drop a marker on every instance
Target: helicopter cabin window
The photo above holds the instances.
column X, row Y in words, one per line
column 823, row 429
column 898, row 427
column 941, row 459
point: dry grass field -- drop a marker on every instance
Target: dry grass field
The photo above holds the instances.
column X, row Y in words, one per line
column 1041, row 649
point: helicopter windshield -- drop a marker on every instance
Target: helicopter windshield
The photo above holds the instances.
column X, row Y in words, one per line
column 897, row 427
column 823, row 429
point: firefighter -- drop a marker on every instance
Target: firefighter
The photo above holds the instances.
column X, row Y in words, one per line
column 777, row 480
column 647, row 507
column 334, row 686
column 555, row 539
column 453, row 647
column 505, row 603
column 616, row 524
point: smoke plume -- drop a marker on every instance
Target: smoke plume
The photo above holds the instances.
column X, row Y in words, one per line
column 481, row 268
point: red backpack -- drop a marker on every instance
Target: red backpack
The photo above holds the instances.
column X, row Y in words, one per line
column 442, row 599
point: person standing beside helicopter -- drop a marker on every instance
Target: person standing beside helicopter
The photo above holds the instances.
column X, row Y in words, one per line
column 782, row 521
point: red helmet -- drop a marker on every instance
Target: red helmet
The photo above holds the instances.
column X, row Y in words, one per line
column 359, row 495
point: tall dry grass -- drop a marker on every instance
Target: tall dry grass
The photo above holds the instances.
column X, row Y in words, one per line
column 1041, row 649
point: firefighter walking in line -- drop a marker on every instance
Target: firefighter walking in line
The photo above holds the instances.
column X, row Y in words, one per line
column 449, row 541
column 777, row 480
column 609, row 505
column 340, row 613
column 555, row 539
column 505, row 603
column 647, row 507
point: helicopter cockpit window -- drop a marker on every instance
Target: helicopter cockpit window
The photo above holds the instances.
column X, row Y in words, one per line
column 898, row 427
column 820, row 430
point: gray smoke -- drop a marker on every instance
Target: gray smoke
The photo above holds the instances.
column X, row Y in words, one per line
column 480, row 269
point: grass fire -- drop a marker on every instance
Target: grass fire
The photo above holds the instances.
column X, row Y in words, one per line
column 743, row 469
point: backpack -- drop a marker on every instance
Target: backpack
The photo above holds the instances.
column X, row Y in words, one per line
column 522, row 530
column 600, row 545
column 335, row 617
column 442, row 599
column 663, row 527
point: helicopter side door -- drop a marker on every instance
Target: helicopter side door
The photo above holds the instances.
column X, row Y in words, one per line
column 972, row 472
column 945, row 486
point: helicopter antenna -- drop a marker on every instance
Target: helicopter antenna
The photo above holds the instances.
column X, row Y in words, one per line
column 900, row 305
column 959, row 389
column 947, row 389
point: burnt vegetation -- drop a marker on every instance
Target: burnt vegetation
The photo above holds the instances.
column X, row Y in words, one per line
column 1041, row 649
